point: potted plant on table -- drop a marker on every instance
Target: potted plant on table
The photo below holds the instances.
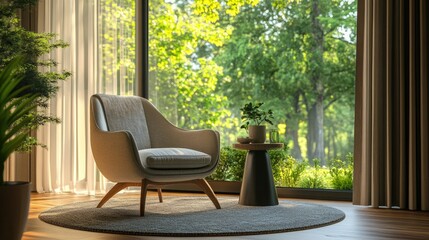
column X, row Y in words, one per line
column 253, row 118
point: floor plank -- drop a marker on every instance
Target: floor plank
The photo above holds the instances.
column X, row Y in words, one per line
column 360, row 222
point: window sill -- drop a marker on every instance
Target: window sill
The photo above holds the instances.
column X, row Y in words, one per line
column 233, row 187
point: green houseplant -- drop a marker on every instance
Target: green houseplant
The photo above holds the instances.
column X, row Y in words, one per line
column 24, row 94
column 16, row 106
column 253, row 117
column 16, row 41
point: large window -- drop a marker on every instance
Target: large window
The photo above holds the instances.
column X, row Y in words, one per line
column 208, row 58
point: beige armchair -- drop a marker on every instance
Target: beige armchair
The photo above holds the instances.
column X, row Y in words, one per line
column 134, row 145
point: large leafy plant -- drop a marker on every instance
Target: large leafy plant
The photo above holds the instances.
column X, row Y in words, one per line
column 252, row 114
column 17, row 105
column 38, row 78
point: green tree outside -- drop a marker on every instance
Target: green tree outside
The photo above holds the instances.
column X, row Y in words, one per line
column 209, row 57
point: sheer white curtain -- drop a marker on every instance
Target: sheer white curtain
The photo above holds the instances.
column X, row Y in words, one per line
column 100, row 61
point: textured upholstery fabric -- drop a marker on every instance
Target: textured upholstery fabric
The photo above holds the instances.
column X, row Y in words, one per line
column 127, row 113
column 116, row 151
column 173, row 158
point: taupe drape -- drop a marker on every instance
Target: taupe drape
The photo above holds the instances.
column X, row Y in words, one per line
column 391, row 127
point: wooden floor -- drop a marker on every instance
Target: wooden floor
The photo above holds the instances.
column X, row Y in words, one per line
column 360, row 223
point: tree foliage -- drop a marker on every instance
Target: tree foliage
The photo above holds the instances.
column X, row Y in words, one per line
column 298, row 57
column 183, row 73
column 208, row 58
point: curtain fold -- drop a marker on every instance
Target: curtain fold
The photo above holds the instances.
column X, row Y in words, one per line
column 391, row 125
column 67, row 164
column 95, row 56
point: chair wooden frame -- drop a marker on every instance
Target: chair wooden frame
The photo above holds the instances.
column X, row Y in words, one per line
column 202, row 183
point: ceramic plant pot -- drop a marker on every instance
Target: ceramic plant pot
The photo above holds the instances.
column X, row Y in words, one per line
column 257, row 133
column 14, row 206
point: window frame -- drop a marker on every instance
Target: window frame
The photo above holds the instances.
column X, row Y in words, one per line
column 142, row 47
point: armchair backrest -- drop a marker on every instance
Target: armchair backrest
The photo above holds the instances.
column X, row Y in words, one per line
column 118, row 113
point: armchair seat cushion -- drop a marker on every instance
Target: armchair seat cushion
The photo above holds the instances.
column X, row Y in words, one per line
column 173, row 158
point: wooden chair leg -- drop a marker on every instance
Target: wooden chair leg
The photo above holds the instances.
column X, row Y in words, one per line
column 143, row 197
column 203, row 184
column 160, row 195
column 115, row 189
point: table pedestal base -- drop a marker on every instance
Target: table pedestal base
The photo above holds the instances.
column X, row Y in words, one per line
column 257, row 188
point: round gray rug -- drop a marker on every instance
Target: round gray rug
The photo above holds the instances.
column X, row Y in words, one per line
column 190, row 216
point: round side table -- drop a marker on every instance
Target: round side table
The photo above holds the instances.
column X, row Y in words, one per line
column 257, row 187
